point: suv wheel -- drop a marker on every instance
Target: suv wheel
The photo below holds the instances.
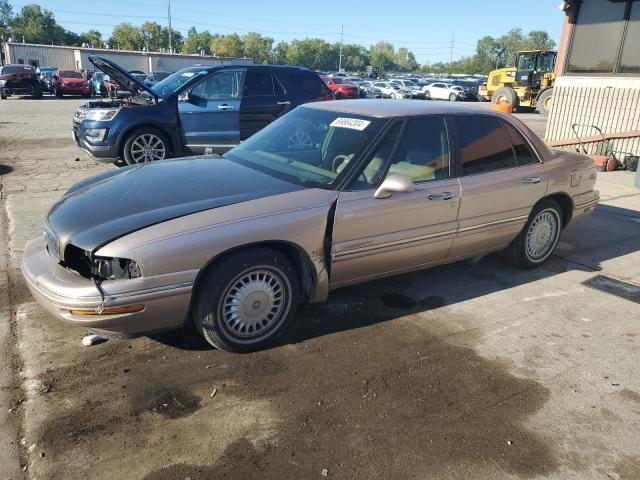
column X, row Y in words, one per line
column 245, row 301
column 145, row 145
column 538, row 238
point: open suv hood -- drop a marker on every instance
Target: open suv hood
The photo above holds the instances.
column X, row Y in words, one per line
column 117, row 73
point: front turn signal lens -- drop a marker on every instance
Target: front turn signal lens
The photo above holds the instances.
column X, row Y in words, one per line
column 108, row 310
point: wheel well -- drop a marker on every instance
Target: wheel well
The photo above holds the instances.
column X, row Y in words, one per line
column 566, row 205
column 295, row 254
column 124, row 135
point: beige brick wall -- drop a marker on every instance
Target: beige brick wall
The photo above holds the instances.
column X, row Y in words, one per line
column 610, row 103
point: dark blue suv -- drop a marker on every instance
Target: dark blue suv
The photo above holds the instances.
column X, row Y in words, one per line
column 195, row 110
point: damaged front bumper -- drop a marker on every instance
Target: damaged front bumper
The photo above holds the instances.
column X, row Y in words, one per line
column 77, row 300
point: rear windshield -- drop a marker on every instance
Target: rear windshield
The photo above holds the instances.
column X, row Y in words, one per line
column 71, row 74
column 310, row 84
column 8, row 69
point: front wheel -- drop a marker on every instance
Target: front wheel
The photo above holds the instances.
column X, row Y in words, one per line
column 145, row 145
column 453, row 97
column 58, row 93
column 538, row 239
column 245, row 302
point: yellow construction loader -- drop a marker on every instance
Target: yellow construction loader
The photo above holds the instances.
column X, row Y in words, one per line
column 528, row 85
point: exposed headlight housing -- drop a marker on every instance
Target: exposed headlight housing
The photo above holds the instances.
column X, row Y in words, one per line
column 115, row 268
column 101, row 114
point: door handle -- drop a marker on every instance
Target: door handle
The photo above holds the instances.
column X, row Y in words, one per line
column 531, row 180
column 441, row 196
column 224, row 106
column 287, row 102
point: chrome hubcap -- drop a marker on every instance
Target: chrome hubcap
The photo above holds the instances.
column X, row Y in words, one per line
column 542, row 235
column 254, row 302
column 147, row 148
column 300, row 141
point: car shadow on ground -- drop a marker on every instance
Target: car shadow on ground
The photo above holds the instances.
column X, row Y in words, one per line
column 609, row 232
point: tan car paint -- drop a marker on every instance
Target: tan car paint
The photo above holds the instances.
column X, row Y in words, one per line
column 370, row 237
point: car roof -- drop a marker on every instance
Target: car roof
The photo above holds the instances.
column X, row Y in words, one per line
column 388, row 109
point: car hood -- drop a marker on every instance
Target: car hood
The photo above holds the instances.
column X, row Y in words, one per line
column 115, row 203
column 124, row 78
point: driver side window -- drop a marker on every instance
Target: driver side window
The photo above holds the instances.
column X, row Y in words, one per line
column 422, row 154
column 221, row 85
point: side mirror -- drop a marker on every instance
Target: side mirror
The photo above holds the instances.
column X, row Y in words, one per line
column 394, row 183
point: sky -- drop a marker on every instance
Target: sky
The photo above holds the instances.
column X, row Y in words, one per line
column 425, row 27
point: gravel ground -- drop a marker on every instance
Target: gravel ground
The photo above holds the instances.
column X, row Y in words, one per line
column 464, row 371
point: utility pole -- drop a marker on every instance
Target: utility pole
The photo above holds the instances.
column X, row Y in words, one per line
column 341, row 39
column 169, row 15
column 451, row 52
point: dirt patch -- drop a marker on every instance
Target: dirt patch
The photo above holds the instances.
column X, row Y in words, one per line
column 631, row 395
column 170, row 403
column 414, row 405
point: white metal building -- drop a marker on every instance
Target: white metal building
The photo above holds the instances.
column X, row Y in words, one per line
column 78, row 58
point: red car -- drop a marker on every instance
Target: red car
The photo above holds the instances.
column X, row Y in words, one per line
column 71, row 82
column 341, row 90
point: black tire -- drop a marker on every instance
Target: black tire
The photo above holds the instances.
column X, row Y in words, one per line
column 213, row 316
column 137, row 138
column 58, row 93
column 545, row 102
column 453, row 97
column 507, row 94
column 3, row 97
column 519, row 253
column 427, row 95
column 37, row 93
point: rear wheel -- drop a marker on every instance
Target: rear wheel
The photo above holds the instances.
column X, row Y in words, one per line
column 37, row 92
column 3, row 97
column 245, row 302
column 506, row 94
column 545, row 102
column 58, row 93
column 538, row 239
column 145, row 145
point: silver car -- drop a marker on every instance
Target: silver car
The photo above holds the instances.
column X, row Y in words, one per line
column 331, row 194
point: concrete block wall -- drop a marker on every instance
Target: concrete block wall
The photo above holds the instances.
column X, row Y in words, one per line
column 610, row 103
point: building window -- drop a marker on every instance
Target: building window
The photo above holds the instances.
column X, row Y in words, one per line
column 630, row 60
column 603, row 38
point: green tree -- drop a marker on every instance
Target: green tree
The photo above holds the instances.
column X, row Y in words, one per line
column 195, row 43
column 539, row 40
column 37, row 26
column 6, row 17
column 257, row 47
column 354, row 57
column 313, row 53
column 92, row 38
column 126, row 37
column 227, row 45
column 383, row 55
column 152, row 37
column 280, row 53
column 405, row 60
column 177, row 40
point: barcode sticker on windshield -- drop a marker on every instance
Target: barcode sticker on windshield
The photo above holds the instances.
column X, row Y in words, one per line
column 353, row 123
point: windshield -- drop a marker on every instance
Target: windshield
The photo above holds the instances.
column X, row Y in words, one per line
column 160, row 76
column 307, row 146
column 174, row 81
column 15, row 69
column 526, row 61
column 71, row 74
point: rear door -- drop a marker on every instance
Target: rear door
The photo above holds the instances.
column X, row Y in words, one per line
column 210, row 112
column 263, row 100
column 376, row 237
column 501, row 180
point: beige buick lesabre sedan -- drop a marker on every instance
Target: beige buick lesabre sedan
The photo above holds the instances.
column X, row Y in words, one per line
column 331, row 194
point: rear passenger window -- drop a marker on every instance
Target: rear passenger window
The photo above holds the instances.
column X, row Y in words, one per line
column 524, row 154
column 278, row 89
column 258, row 84
column 484, row 145
column 310, row 84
